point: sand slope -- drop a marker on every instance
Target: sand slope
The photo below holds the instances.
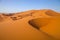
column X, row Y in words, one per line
column 50, row 26
column 17, row 26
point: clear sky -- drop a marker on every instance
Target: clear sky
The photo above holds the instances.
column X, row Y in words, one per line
column 23, row 5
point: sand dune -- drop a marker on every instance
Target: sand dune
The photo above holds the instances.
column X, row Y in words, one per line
column 17, row 26
column 51, row 25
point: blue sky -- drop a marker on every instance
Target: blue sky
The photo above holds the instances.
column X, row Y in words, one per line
column 10, row 6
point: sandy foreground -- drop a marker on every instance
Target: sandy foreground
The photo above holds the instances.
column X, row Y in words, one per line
column 18, row 26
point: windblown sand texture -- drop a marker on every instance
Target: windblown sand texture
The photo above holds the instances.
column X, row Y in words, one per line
column 18, row 26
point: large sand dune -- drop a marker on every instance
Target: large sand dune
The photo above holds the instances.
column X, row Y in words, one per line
column 50, row 26
column 18, row 26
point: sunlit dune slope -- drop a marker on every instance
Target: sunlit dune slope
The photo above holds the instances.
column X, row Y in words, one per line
column 53, row 27
column 16, row 26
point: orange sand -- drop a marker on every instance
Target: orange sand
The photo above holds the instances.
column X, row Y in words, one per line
column 50, row 26
column 17, row 26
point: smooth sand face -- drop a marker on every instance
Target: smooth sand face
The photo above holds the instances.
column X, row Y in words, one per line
column 17, row 27
column 50, row 26
column 53, row 28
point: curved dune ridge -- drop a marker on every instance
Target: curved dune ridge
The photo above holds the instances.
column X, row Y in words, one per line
column 21, row 25
column 51, row 25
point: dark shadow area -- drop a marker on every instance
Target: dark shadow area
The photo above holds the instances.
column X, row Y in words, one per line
column 33, row 24
column 10, row 14
column 49, row 14
column 14, row 18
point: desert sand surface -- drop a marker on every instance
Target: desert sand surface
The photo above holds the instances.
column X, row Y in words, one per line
column 18, row 26
column 50, row 26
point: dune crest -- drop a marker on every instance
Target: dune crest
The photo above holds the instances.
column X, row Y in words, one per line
column 40, row 13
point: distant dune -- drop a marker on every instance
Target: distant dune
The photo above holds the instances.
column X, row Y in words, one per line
column 21, row 26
